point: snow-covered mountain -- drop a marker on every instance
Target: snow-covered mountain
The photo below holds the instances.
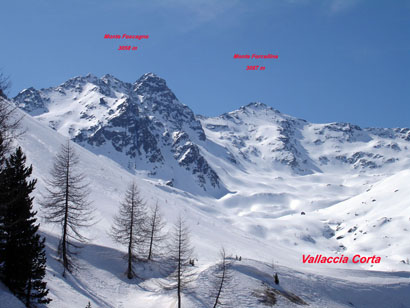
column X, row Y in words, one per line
column 142, row 126
column 262, row 138
column 283, row 187
column 257, row 162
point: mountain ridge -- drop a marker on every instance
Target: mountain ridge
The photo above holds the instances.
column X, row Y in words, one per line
column 272, row 209
column 144, row 127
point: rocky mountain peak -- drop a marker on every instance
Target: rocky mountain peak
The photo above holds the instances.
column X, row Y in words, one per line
column 150, row 84
column 31, row 101
column 256, row 105
column 151, row 78
column 143, row 126
column 79, row 80
column 133, row 124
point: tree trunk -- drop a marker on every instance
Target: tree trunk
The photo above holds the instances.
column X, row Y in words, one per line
column 129, row 271
column 28, row 295
column 179, row 267
column 152, row 237
column 64, row 241
column 220, row 287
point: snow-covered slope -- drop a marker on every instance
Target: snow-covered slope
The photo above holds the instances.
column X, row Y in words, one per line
column 285, row 167
column 101, row 279
column 286, row 188
column 142, row 126
column 376, row 221
column 261, row 138
column 102, row 260
column 7, row 299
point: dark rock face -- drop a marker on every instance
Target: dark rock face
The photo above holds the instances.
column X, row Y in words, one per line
column 258, row 135
column 143, row 126
column 32, row 102
column 140, row 125
column 240, row 129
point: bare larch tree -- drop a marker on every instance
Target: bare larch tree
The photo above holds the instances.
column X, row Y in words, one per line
column 10, row 119
column 4, row 85
column 129, row 227
column 222, row 278
column 66, row 202
column 156, row 235
column 180, row 255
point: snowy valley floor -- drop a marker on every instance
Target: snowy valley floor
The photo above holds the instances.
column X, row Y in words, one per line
column 353, row 223
column 101, row 280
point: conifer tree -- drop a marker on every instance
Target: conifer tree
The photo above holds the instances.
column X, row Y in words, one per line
column 156, row 237
column 276, row 278
column 4, row 84
column 10, row 123
column 66, row 203
column 222, row 278
column 9, row 130
column 129, row 227
column 180, row 254
column 2, row 200
column 36, row 287
column 24, row 260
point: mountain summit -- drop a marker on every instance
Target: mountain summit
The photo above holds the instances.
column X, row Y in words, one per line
column 142, row 126
column 255, row 180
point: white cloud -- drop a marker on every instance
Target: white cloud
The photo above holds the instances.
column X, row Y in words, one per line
column 332, row 6
column 200, row 10
column 337, row 6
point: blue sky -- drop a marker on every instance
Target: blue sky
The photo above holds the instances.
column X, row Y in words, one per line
column 339, row 60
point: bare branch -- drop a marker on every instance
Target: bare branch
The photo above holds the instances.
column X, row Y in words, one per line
column 180, row 254
column 129, row 227
column 5, row 84
column 66, row 203
column 10, row 125
column 222, row 278
column 156, row 235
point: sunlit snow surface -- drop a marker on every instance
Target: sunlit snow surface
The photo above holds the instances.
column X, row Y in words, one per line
column 259, row 220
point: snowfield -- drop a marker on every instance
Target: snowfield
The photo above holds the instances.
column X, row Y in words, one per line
column 269, row 216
